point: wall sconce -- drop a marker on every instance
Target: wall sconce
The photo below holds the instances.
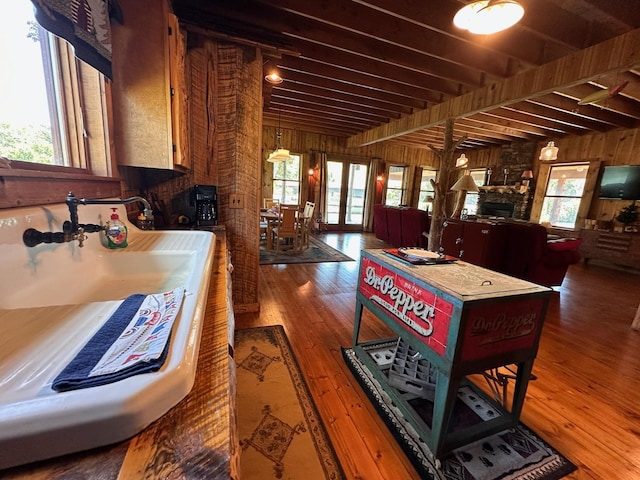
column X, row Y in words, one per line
column 550, row 152
column 311, row 172
column 526, row 176
column 379, row 178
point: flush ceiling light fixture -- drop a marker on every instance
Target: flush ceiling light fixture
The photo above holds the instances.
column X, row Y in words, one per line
column 488, row 16
column 550, row 152
column 279, row 154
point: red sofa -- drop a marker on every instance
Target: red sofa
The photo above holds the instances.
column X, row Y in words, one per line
column 401, row 226
column 519, row 249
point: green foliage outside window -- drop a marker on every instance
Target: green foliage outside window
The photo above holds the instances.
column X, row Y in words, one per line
column 30, row 144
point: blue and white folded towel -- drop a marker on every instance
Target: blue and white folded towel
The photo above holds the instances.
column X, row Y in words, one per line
column 134, row 340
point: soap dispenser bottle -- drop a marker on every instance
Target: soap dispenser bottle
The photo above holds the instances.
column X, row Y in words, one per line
column 116, row 231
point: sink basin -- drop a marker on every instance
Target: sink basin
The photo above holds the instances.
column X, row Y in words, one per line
column 56, row 297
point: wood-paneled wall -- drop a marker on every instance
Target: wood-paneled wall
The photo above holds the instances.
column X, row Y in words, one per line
column 618, row 147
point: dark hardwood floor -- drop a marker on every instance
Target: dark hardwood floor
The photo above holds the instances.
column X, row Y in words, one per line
column 585, row 400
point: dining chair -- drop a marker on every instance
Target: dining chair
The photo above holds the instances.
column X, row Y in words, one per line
column 270, row 202
column 305, row 224
column 287, row 229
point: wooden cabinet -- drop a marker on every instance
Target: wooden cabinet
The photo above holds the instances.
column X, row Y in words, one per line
column 149, row 87
column 611, row 247
column 480, row 243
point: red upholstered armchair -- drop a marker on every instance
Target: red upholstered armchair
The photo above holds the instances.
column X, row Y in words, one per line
column 401, row 226
column 380, row 223
column 530, row 256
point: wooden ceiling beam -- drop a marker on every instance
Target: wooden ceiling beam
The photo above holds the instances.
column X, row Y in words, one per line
column 362, row 92
column 518, row 43
column 328, row 107
column 375, row 68
column 351, row 77
column 620, row 53
column 617, row 104
column 282, row 93
column 356, row 102
column 395, row 58
column 478, row 123
column 295, row 110
column 566, row 121
column 396, row 32
column 588, row 112
column 509, row 123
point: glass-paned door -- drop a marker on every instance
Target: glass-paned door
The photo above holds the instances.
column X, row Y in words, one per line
column 345, row 193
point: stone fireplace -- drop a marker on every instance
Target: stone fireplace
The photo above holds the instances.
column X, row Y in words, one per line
column 504, row 201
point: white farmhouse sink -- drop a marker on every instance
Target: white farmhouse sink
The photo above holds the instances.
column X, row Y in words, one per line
column 54, row 297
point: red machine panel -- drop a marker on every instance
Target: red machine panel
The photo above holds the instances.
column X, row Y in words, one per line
column 423, row 314
column 497, row 328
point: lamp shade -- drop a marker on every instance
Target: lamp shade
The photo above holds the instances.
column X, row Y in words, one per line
column 488, row 16
column 465, row 183
column 550, row 152
column 527, row 175
column 279, row 155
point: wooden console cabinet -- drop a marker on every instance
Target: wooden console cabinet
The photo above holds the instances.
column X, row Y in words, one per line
column 611, row 247
column 480, row 243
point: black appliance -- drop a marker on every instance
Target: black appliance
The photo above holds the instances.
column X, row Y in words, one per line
column 206, row 203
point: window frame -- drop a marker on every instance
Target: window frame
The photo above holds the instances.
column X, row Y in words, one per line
column 427, row 192
column 470, row 195
column 544, row 173
column 403, row 189
column 282, row 195
column 83, row 100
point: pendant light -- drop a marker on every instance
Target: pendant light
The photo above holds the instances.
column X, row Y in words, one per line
column 488, row 16
column 550, row 152
column 462, row 161
column 279, row 154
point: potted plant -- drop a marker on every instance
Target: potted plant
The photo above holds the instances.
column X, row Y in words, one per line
column 628, row 215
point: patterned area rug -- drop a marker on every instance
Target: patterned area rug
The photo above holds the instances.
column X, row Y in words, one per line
column 280, row 431
column 514, row 454
column 317, row 252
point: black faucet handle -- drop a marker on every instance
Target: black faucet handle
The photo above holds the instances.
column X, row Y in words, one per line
column 32, row 237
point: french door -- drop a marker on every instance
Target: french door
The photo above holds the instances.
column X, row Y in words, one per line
column 346, row 191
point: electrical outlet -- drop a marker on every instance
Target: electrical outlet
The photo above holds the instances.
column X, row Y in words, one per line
column 236, row 200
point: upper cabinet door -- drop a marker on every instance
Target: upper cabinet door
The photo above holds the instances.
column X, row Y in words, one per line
column 149, row 100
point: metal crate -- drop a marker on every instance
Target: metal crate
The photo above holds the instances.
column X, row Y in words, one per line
column 411, row 373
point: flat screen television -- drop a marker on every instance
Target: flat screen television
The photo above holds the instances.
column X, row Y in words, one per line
column 620, row 182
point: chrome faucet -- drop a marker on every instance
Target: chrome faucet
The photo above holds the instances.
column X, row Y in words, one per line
column 73, row 230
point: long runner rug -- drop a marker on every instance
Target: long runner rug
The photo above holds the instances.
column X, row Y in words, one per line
column 281, row 434
column 318, row 252
column 514, row 454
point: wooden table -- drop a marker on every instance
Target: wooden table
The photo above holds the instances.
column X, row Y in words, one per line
column 272, row 219
column 197, row 437
column 463, row 320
